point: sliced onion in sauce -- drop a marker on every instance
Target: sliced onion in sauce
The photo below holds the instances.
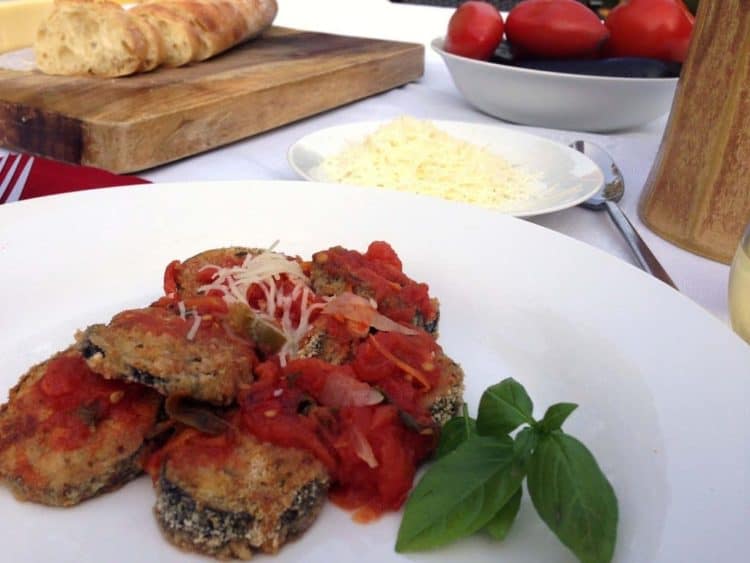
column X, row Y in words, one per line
column 360, row 310
column 362, row 448
column 341, row 390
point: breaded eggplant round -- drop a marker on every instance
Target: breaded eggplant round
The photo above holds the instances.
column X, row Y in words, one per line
column 67, row 434
column 186, row 278
column 231, row 495
column 377, row 274
column 329, row 340
column 414, row 373
column 173, row 354
column 445, row 400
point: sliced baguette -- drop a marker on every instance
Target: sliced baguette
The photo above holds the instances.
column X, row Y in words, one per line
column 82, row 37
column 98, row 37
column 217, row 24
column 258, row 15
column 182, row 43
column 213, row 23
column 155, row 44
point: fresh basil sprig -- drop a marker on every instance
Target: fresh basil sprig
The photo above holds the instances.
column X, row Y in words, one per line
column 476, row 482
column 455, row 432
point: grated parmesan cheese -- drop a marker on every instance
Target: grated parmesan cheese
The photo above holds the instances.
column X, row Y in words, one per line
column 413, row 155
column 234, row 281
column 264, row 270
column 181, row 309
column 196, row 325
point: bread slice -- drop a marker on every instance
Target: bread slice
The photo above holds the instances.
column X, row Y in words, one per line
column 155, row 44
column 99, row 37
column 82, row 37
column 213, row 26
column 216, row 29
column 182, row 43
column 258, row 15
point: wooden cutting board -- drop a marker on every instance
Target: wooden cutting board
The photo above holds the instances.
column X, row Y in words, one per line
column 137, row 122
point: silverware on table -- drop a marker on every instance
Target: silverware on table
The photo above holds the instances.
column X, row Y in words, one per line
column 607, row 198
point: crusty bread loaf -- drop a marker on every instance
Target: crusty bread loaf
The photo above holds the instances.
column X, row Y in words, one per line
column 100, row 38
column 217, row 25
column 90, row 37
column 154, row 42
column 180, row 37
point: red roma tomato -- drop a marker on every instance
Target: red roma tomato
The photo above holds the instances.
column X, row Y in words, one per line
column 474, row 30
column 555, row 29
column 657, row 29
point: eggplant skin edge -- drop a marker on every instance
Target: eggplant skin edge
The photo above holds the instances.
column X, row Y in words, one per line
column 615, row 67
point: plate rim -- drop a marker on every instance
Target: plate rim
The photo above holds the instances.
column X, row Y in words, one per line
column 531, row 137
column 607, row 264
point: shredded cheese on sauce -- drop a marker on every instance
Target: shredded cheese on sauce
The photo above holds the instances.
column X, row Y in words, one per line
column 294, row 335
column 412, row 155
column 264, row 270
column 195, row 326
column 181, row 309
column 234, row 281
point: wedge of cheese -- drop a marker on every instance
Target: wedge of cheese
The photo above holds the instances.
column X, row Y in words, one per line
column 19, row 20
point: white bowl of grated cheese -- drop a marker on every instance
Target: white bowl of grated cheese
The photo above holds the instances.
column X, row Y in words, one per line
column 487, row 165
column 558, row 100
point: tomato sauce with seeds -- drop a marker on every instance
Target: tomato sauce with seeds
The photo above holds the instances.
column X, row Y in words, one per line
column 179, row 275
column 194, row 448
column 79, row 400
column 379, row 273
column 380, row 361
column 370, row 453
column 257, row 299
column 158, row 322
column 368, row 449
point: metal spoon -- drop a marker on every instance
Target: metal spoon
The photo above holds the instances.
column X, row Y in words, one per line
column 607, row 198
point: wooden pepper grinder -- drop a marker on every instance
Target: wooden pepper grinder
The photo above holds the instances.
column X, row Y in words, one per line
column 697, row 195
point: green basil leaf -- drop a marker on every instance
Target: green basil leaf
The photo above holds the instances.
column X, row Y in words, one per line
column 556, row 415
column 503, row 408
column 501, row 523
column 573, row 497
column 524, row 444
column 455, row 432
column 459, row 494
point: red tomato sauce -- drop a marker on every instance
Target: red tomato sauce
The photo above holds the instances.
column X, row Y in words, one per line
column 79, row 400
column 371, row 454
column 365, row 421
column 159, row 321
column 257, row 299
column 402, row 366
column 194, row 448
column 175, row 272
column 379, row 272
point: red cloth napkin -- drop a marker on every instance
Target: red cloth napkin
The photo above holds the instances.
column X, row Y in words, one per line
column 49, row 177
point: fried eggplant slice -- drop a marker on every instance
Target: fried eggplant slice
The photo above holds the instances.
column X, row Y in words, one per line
column 329, row 340
column 185, row 279
column 445, row 400
column 377, row 274
column 67, row 434
column 414, row 373
column 190, row 355
column 265, row 295
column 231, row 495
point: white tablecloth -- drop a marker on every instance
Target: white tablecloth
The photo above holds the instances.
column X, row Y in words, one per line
column 435, row 97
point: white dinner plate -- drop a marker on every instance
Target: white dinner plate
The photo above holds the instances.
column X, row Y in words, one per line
column 662, row 385
column 563, row 177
